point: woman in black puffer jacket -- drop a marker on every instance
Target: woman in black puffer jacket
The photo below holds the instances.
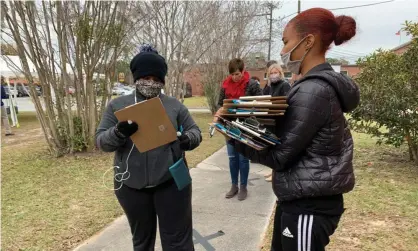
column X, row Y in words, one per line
column 313, row 165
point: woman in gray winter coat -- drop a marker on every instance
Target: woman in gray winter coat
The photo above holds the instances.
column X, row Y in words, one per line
column 144, row 186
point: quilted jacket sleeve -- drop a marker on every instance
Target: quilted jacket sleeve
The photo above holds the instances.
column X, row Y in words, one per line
column 221, row 98
column 285, row 89
column 190, row 127
column 253, row 89
column 308, row 111
column 106, row 138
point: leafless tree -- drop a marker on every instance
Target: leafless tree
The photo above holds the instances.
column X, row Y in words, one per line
column 66, row 41
column 71, row 42
column 191, row 33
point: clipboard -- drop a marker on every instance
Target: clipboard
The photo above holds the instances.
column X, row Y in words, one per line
column 264, row 97
column 248, row 141
column 155, row 127
column 252, row 115
column 251, row 105
column 265, row 101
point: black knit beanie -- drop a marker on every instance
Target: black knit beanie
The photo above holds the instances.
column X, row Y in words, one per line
column 148, row 63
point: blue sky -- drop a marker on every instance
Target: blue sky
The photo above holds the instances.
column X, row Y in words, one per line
column 376, row 24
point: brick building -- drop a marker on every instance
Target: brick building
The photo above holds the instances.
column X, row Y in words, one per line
column 402, row 48
column 259, row 73
column 195, row 79
column 350, row 70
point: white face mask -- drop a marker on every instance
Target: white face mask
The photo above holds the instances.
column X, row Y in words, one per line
column 274, row 78
column 293, row 66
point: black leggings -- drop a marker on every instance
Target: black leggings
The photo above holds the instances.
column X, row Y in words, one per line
column 174, row 211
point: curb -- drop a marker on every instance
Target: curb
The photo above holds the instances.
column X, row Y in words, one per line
column 269, row 219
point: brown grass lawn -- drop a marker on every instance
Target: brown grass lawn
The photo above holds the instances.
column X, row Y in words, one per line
column 196, row 102
column 382, row 210
column 56, row 203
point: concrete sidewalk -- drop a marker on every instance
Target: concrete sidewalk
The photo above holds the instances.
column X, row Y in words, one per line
column 219, row 223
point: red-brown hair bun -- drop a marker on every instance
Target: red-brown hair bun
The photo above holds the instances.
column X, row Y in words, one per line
column 322, row 22
column 346, row 29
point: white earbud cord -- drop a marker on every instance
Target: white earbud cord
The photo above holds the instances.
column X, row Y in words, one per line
column 120, row 177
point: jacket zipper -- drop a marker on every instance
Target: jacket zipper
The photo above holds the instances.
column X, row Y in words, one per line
column 146, row 170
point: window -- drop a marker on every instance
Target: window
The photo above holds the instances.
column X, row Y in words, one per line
column 344, row 72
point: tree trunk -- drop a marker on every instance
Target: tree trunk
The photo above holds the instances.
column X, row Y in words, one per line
column 92, row 113
column 411, row 155
column 413, row 148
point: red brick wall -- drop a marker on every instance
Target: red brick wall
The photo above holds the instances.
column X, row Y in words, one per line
column 260, row 74
column 194, row 77
column 352, row 70
column 401, row 50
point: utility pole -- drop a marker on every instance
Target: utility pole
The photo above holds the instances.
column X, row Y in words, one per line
column 298, row 6
column 270, row 30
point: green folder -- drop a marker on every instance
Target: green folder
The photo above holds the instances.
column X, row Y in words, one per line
column 181, row 174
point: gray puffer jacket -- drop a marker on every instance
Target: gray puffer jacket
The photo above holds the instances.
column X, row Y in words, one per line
column 150, row 168
column 316, row 154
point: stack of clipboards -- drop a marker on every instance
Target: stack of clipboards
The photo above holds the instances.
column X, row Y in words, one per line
column 266, row 106
column 247, row 119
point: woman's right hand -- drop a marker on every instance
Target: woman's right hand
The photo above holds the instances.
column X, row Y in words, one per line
column 125, row 129
column 217, row 115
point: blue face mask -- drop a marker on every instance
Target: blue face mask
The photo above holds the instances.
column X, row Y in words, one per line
column 293, row 66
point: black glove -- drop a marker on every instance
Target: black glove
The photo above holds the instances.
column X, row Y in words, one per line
column 243, row 149
column 125, row 130
column 230, row 141
column 250, row 153
column 184, row 142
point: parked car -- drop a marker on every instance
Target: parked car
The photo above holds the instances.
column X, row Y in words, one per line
column 71, row 90
column 22, row 91
column 38, row 90
column 122, row 91
column 115, row 90
column 10, row 92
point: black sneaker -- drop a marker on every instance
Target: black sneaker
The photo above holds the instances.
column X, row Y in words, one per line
column 9, row 134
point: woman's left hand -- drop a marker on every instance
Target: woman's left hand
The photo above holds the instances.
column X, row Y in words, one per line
column 217, row 115
column 240, row 147
column 184, row 142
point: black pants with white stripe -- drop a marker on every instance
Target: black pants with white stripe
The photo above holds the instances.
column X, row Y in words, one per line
column 302, row 232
